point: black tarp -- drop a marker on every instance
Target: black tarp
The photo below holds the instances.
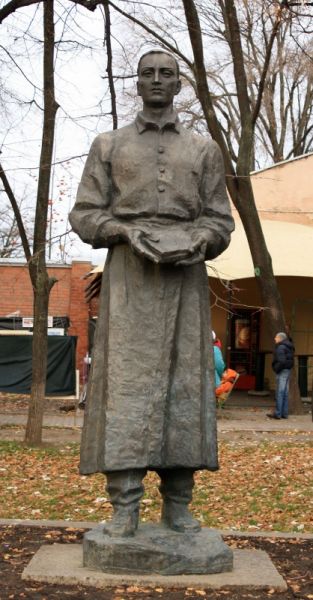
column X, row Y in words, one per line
column 17, row 323
column 16, row 364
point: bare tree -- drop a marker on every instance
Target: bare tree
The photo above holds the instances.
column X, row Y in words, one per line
column 41, row 282
column 284, row 127
column 36, row 256
column 239, row 183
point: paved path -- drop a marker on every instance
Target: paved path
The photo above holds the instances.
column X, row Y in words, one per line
column 235, row 424
column 228, row 420
column 243, row 413
column 247, row 427
column 256, row 420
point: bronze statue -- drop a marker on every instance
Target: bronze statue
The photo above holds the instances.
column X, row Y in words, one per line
column 154, row 194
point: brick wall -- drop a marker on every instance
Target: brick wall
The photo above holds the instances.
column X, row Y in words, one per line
column 16, row 290
column 66, row 298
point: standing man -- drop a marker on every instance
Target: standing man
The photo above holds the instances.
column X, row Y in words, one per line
column 283, row 360
column 154, row 194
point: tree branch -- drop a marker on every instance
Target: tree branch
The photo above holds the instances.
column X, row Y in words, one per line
column 203, row 91
column 109, row 70
column 17, row 214
column 153, row 33
column 238, row 59
column 14, row 5
column 265, row 68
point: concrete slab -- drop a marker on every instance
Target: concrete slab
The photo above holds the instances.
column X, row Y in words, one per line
column 62, row 564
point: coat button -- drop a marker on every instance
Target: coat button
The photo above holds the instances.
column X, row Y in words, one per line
column 162, row 169
column 161, row 149
column 161, row 188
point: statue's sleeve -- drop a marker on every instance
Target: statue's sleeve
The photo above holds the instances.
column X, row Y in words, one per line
column 216, row 221
column 91, row 217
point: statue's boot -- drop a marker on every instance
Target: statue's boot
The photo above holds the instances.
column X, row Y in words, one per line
column 125, row 490
column 176, row 490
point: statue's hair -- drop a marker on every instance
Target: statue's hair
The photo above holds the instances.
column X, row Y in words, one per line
column 158, row 51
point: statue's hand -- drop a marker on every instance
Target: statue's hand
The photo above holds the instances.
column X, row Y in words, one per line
column 200, row 242
column 137, row 243
column 198, row 247
column 197, row 256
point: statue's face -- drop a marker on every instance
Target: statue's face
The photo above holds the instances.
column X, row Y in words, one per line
column 158, row 80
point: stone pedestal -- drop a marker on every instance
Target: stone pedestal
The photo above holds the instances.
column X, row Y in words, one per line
column 157, row 549
column 62, row 564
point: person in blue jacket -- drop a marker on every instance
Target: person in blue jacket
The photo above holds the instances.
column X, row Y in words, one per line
column 283, row 360
column 219, row 365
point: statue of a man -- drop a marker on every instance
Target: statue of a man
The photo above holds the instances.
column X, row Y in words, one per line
column 154, row 194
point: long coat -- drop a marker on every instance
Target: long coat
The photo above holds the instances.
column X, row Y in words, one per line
column 150, row 399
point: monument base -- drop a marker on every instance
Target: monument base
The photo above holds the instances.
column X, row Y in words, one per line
column 157, row 549
column 62, row 564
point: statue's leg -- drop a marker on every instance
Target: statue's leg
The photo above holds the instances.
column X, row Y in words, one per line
column 176, row 490
column 125, row 490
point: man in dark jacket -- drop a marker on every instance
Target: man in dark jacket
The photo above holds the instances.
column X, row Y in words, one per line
column 282, row 364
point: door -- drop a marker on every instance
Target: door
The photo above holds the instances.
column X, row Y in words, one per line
column 243, row 345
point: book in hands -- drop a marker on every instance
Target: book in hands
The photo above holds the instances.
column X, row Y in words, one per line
column 170, row 246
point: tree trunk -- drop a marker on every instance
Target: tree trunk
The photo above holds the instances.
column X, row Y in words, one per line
column 39, row 358
column 41, row 282
column 294, row 401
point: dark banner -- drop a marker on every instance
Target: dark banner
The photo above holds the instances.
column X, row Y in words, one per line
column 16, row 364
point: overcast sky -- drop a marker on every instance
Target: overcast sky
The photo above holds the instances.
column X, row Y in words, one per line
column 82, row 93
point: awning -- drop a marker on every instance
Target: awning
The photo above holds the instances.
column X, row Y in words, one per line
column 289, row 244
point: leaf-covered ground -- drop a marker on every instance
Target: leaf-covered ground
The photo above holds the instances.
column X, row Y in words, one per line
column 259, row 487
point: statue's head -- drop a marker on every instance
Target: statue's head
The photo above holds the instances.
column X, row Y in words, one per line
column 158, row 78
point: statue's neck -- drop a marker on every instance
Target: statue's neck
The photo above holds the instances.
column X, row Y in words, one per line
column 158, row 114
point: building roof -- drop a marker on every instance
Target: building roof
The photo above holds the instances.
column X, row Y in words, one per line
column 283, row 162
